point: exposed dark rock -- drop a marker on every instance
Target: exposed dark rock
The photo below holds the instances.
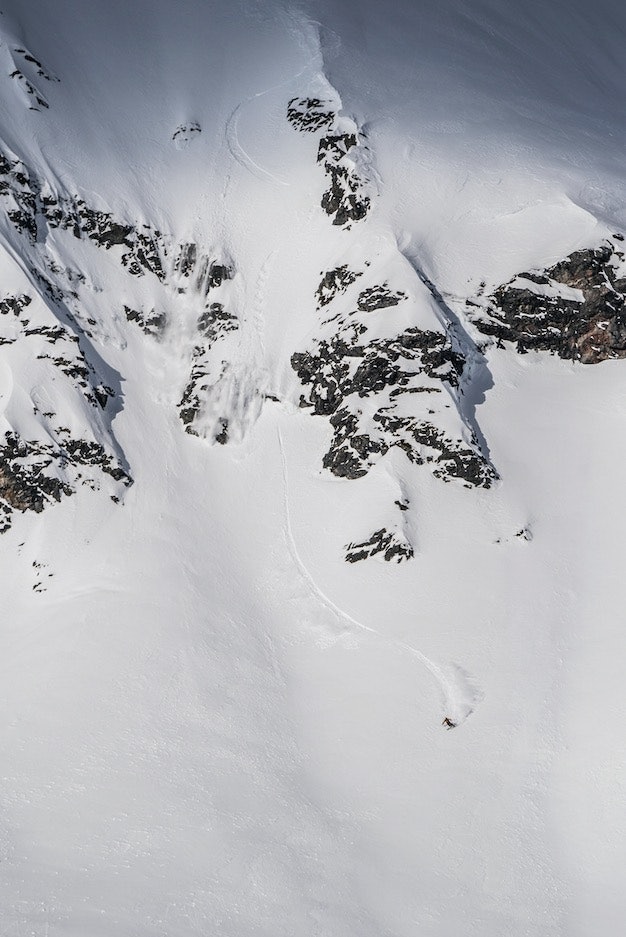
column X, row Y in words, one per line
column 334, row 282
column 310, row 114
column 33, row 208
column 216, row 321
column 37, row 100
column 345, row 199
column 422, row 442
column 334, row 146
column 332, row 374
column 152, row 324
column 186, row 260
column 28, row 210
column 379, row 297
column 37, row 471
column 82, row 452
column 377, row 372
column 345, row 367
column 342, row 199
column 222, row 436
column 100, row 227
column 217, row 274
column 193, row 395
column 20, row 196
column 15, row 305
column 34, row 474
column 438, row 358
column 392, row 547
column 533, row 313
column 67, row 355
column 211, row 274
column 24, row 486
column 185, row 133
column 74, row 364
column 36, row 64
column 348, row 366
column 144, row 255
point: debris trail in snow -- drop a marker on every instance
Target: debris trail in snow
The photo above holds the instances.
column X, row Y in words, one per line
column 459, row 695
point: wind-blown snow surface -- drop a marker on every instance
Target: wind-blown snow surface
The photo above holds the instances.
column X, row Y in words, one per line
column 211, row 722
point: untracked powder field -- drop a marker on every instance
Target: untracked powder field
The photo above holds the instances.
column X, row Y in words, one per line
column 312, row 443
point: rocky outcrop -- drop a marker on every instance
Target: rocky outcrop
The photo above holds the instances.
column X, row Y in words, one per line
column 31, row 210
column 186, row 134
column 335, row 282
column 26, row 74
column 310, row 114
column 345, row 199
column 24, row 484
column 340, row 153
column 193, row 300
column 34, row 210
column 38, row 470
column 574, row 309
column 354, row 365
column 15, row 305
column 152, row 323
column 382, row 381
column 34, row 474
column 379, row 297
column 388, row 545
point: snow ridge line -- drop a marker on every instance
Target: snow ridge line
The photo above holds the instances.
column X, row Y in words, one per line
column 458, row 695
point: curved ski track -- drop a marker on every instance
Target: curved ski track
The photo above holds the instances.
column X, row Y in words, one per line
column 459, row 696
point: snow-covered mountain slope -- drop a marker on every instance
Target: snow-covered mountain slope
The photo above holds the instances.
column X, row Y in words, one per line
column 311, row 424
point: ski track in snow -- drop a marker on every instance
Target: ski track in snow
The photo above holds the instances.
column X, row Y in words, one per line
column 239, row 153
column 460, row 696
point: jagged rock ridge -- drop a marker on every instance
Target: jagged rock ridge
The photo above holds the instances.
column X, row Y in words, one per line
column 352, row 365
column 574, row 309
column 340, row 153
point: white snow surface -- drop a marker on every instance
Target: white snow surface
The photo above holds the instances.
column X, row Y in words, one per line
column 211, row 723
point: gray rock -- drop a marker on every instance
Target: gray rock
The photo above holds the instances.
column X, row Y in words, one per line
column 590, row 331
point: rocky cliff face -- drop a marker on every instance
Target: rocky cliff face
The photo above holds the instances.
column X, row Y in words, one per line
column 367, row 384
column 54, row 330
column 574, row 309
column 388, row 366
column 60, row 437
